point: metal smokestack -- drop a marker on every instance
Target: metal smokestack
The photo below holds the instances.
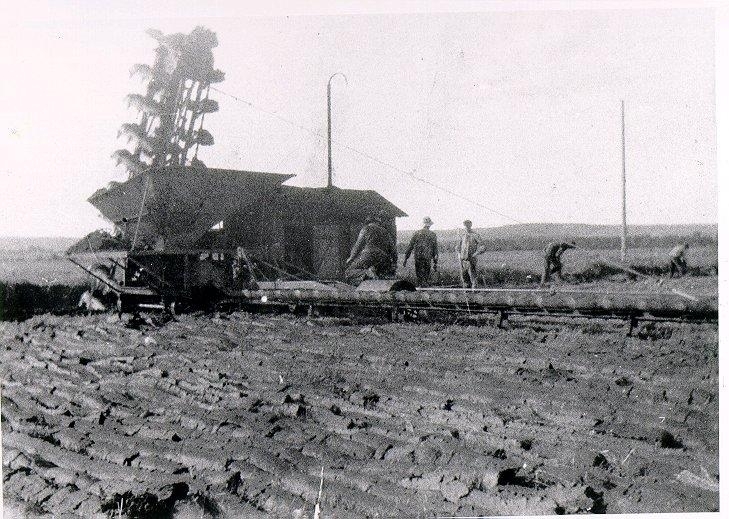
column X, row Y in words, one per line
column 329, row 126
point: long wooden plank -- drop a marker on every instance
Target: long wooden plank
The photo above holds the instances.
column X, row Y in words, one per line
column 663, row 304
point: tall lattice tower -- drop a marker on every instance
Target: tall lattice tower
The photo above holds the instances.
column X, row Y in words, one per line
column 172, row 111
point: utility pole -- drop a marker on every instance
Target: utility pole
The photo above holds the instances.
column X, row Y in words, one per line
column 329, row 126
column 624, row 238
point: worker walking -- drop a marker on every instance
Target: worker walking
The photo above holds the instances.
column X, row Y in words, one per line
column 470, row 246
column 678, row 260
column 372, row 254
column 553, row 259
column 424, row 244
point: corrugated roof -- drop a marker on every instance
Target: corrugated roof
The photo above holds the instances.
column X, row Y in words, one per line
column 184, row 202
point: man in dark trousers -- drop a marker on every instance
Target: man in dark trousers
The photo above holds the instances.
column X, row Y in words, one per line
column 372, row 253
column 425, row 245
column 678, row 260
column 553, row 259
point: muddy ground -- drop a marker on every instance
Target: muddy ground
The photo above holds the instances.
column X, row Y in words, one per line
column 236, row 415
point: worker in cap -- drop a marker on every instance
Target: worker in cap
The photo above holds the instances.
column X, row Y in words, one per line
column 372, row 253
column 553, row 259
column 470, row 246
column 424, row 245
column 678, row 263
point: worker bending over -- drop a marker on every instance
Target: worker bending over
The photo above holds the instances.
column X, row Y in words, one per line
column 424, row 244
column 372, row 254
column 678, row 260
column 553, row 260
column 471, row 245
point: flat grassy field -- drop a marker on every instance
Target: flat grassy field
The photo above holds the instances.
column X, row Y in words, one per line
column 40, row 267
column 513, row 267
column 579, row 260
column 49, row 268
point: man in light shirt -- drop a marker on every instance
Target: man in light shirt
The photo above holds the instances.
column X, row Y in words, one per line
column 471, row 245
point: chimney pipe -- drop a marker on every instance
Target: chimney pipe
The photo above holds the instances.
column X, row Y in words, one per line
column 329, row 126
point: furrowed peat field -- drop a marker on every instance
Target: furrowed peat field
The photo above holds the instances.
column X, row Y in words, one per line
column 236, row 416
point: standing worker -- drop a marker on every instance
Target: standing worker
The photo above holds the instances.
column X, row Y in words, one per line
column 371, row 255
column 425, row 245
column 470, row 246
column 553, row 260
column 678, row 260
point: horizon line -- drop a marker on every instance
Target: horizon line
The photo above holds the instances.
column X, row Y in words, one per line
column 59, row 237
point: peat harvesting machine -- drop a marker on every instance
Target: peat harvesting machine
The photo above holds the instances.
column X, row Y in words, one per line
column 188, row 235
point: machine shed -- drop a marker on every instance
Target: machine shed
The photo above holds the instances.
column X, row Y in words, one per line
column 292, row 232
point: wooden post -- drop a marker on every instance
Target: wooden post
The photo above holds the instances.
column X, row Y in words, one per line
column 329, row 132
column 624, row 237
column 186, row 272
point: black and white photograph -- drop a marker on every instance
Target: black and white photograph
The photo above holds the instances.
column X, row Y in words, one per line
column 445, row 259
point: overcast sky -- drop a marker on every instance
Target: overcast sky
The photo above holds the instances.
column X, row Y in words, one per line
column 517, row 110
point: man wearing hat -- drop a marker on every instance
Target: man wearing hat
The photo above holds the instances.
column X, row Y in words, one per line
column 553, row 259
column 470, row 246
column 425, row 245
